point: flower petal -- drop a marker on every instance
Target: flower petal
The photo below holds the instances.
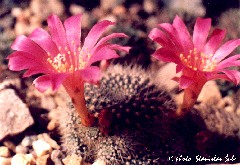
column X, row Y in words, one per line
column 214, row 42
column 104, row 53
column 156, row 34
column 179, row 68
column 54, row 81
column 200, row 33
column 44, row 40
column 119, row 47
column 107, row 38
column 233, row 75
column 73, row 31
column 24, row 44
column 166, row 55
column 42, row 83
column 231, row 61
column 57, row 32
column 90, row 74
column 162, row 38
column 20, row 61
column 184, row 36
column 226, row 49
column 185, row 82
column 173, row 34
column 36, row 70
column 215, row 76
column 95, row 33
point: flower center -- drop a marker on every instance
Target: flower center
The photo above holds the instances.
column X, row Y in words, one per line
column 68, row 61
column 198, row 61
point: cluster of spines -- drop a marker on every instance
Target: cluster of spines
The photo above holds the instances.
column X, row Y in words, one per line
column 126, row 146
column 76, row 138
column 71, row 143
column 128, row 97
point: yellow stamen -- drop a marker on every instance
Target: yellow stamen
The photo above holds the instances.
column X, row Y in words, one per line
column 71, row 61
column 198, row 61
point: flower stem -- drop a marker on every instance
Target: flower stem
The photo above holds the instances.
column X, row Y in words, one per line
column 190, row 97
column 76, row 92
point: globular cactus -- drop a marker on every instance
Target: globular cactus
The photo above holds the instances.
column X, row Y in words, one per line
column 140, row 129
column 130, row 95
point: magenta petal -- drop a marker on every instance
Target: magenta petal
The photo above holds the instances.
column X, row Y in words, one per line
column 54, row 81
column 214, row 76
column 214, row 41
column 156, row 33
column 166, row 55
column 161, row 38
column 57, row 31
column 73, row 31
column 233, row 75
column 179, row 68
column 231, row 61
column 42, row 83
column 90, row 74
column 24, row 44
column 57, row 80
column 36, row 70
column 200, row 33
column 185, row 82
column 44, row 40
column 107, row 38
column 229, row 64
column 104, row 53
column 173, row 34
column 19, row 61
column 226, row 49
column 184, row 36
column 95, row 33
column 119, row 47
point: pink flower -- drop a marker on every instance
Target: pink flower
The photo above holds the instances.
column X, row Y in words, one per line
column 198, row 57
column 61, row 57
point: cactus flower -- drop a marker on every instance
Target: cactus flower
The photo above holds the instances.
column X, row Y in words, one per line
column 62, row 59
column 199, row 58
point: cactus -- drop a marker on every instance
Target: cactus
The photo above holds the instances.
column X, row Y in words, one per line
column 141, row 132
